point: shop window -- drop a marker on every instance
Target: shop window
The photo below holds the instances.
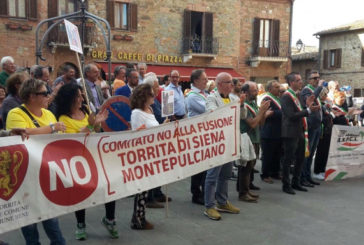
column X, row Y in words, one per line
column 19, row 8
column 332, row 58
column 266, row 37
column 198, row 32
column 121, row 15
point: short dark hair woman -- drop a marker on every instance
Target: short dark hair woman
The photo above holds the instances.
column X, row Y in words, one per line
column 35, row 119
column 12, row 100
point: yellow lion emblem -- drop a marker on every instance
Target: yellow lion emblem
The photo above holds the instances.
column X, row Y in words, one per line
column 8, row 176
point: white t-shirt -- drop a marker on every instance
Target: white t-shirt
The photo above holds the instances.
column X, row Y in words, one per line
column 139, row 118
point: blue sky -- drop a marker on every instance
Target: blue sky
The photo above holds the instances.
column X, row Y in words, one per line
column 310, row 16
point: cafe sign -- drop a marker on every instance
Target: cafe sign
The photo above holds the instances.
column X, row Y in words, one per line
column 139, row 57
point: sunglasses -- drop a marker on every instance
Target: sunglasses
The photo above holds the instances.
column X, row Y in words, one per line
column 315, row 78
column 45, row 93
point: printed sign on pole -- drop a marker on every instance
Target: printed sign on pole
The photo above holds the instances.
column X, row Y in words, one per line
column 73, row 37
column 167, row 103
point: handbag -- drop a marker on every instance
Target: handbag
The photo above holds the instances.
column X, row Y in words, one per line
column 247, row 148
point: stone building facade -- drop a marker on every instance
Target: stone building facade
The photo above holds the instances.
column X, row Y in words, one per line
column 342, row 55
column 249, row 38
column 305, row 60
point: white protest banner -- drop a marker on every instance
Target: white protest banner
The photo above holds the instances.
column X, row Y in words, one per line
column 167, row 103
column 346, row 156
column 73, row 37
column 50, row 175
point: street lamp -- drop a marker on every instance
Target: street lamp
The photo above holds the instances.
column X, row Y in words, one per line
column 299, row 45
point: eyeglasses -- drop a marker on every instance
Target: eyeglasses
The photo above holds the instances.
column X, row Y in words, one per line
column 315, row 78
column 44, row 93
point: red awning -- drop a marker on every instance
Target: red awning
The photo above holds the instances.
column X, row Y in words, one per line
column 184, row 71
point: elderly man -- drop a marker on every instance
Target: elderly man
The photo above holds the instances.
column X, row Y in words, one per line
column 67, row 77
column 142, row 69
column 119, row 73
column 216, row 183
column 294, row 132
column 132, row 81
column 270, row 134
column 94, row 93
column 314, row 120
column 179, row 99
column 250, row 124
column 8, row 67
column 196, row 105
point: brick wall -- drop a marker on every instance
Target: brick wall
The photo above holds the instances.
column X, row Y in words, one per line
column 160, row 32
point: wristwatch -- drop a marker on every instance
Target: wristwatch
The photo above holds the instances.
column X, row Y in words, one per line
column 53, row 127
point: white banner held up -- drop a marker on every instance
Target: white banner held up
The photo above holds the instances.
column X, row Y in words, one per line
column 51, row 175
column 73, row 37
column 346, row 156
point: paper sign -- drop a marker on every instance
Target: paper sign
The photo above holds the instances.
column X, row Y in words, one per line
column 73, row 37
column 167, row 103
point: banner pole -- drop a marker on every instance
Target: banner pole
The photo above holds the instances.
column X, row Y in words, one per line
column 83, row 82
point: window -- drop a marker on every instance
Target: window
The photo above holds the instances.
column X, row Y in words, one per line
column 66, row 7
column 122, row 15
column 266, row 37
column 358, row 92
column 198, row 32
column 362, row 57
column 19, row 8
column 332, row 58
column 264, row 33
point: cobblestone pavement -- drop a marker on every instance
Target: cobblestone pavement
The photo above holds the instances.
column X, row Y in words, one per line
column 329, row 214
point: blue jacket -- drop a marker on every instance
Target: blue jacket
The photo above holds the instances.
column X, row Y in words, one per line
column 124, row 91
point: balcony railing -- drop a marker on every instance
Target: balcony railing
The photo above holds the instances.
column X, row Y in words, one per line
column 271, row 49
column 200, row 45
column 59, row 35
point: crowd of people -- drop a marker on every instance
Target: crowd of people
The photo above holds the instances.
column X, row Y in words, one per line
column 290, row 124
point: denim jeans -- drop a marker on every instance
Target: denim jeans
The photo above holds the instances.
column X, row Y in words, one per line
column 51, row 227
column 216, row 184
column 313, row 139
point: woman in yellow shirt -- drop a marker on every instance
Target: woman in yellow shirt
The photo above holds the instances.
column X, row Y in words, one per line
column 35, row 119
column 74, row 114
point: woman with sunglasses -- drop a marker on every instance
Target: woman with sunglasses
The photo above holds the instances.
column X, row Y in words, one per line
column 142, row 117
column 72, row 111
column 35, row 119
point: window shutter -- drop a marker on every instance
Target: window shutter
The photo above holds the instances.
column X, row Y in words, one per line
column 274, row 38
column 338, row 58
column 187, row 24
column 208, row 25
column 326, row 59
column 3, row 7
column 110, row 13
column 256, row 31
column 52, row 8
column 32, row 10
column 207, row 42
column 133, row 21
column 187, row 38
